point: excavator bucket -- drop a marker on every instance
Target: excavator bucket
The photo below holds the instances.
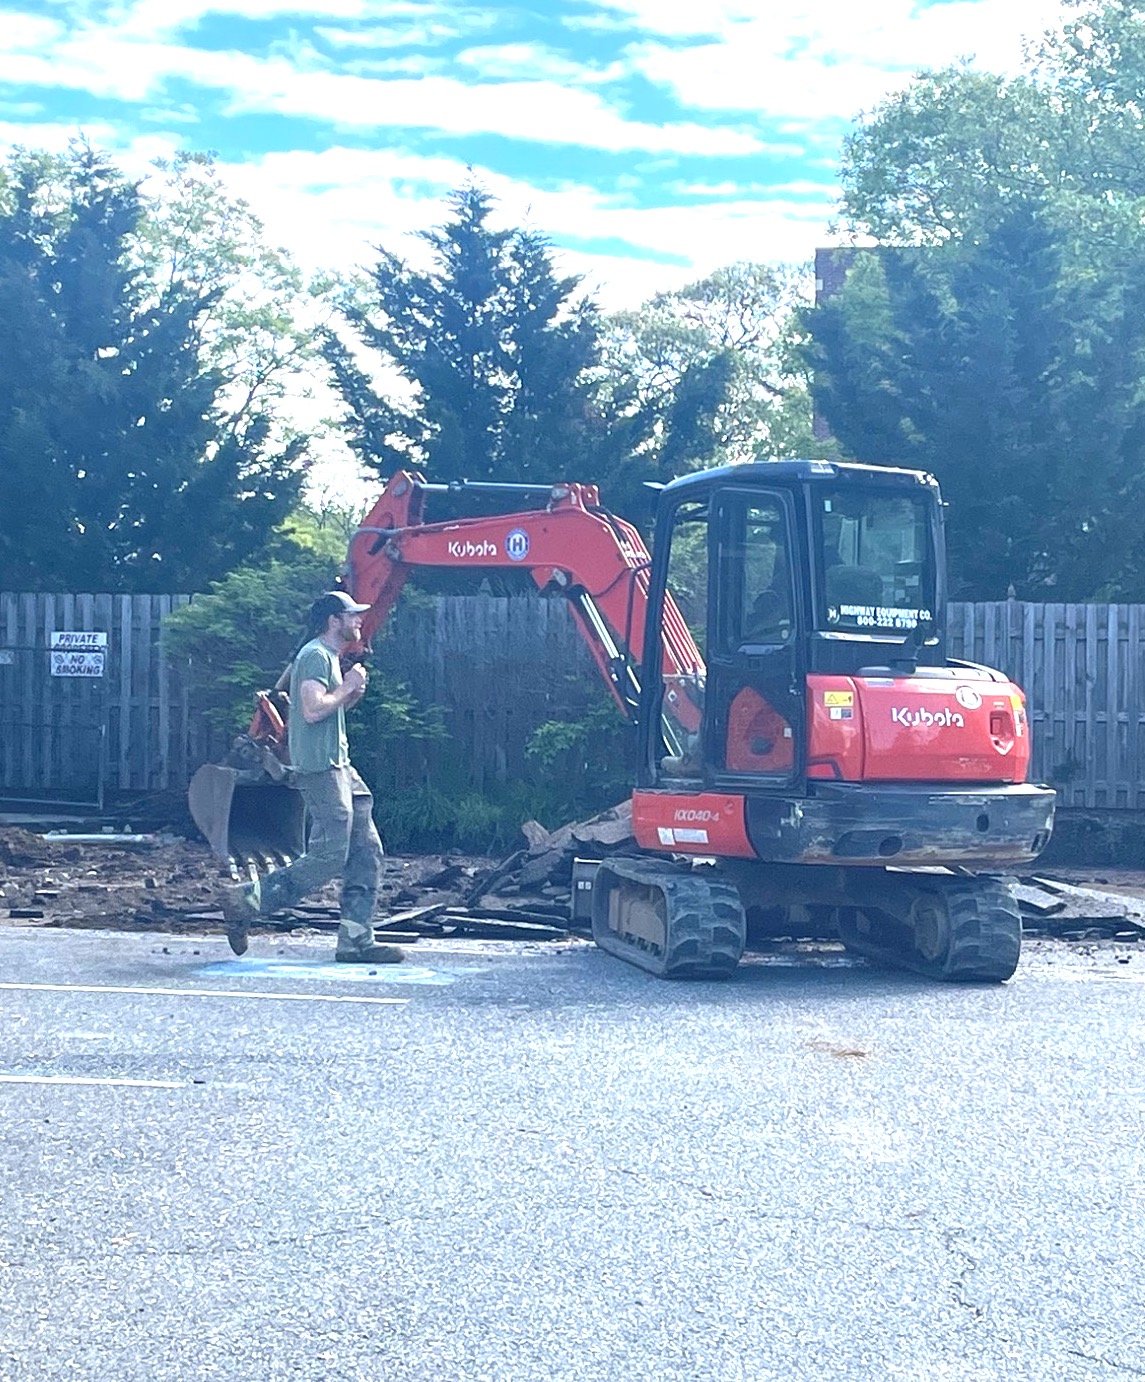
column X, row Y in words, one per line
column 244, row 815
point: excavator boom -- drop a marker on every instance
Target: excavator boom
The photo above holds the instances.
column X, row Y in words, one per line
column 572, row 545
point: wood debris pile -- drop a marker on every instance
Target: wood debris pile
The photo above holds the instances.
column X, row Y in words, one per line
column 1071, row 911
column 166, row 883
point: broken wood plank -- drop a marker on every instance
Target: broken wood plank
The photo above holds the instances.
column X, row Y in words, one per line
column 426, row 913
column 532, row 916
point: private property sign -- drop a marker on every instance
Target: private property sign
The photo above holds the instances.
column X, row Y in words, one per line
column 78, row 654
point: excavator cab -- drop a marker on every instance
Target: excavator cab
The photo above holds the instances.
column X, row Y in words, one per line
column 784, row 571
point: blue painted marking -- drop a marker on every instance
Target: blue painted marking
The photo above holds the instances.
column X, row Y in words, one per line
column 282, row 968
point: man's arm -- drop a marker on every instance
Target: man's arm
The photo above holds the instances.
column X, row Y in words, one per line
column 318, row 703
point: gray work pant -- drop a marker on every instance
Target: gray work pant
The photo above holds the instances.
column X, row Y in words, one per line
column 343, row 841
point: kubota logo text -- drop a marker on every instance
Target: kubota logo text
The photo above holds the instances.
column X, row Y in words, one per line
column 919, row 719
column 471, row 549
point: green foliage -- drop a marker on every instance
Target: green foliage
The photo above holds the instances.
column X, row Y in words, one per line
column 707, row 376
column 578, row 769
column 494, row 349
column 325, row 531
column 583, row 762
column 426, row 793
column 388, row 714
column 441, row 816
column 998, row 339
column 237, row 638
column 135, row 450
column 952, row 152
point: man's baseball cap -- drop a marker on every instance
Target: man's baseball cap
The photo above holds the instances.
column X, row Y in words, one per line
column 334, row 602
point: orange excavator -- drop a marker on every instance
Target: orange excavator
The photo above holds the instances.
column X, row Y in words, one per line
column 807, row 753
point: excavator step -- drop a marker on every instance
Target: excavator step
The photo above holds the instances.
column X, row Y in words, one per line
column 957, row 929
column 675, row 921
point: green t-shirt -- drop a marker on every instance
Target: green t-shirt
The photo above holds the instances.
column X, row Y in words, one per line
column 314, row 748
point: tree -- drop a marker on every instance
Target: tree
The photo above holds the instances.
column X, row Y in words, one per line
column 486, row 357
column 949, row 154
column 709, row 368
column 997, row 338
column 985, row 365
column 121, row 467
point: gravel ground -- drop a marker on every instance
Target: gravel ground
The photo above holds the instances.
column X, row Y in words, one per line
column 172, row 884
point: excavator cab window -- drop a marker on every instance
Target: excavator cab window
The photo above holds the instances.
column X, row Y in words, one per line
column 760, row 610
column 877, row 563
column 686, row 585
column 753, row 720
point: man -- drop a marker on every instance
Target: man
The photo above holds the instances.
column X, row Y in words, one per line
column 343, row 837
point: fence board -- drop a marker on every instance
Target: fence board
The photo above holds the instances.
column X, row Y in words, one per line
column 498, row 667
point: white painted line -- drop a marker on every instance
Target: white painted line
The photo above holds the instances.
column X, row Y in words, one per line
column 79, row 1079
column 208, row 993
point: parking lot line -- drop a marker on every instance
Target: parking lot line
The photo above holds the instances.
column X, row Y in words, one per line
column 114, row 1081
column 208, row 993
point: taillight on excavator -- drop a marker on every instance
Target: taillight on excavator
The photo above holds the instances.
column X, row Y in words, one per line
column 1002, row 730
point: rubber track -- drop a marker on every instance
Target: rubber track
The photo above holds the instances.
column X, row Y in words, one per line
column 706, row 926
column 984, row 930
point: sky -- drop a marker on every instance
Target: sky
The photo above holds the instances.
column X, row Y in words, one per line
column 652, row 141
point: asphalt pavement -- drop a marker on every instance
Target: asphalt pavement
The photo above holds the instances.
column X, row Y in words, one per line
column 511, row 1162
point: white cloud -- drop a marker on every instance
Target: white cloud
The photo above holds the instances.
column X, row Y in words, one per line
column 412, row 26
column 541, row 112
column 887, row 30
column 30, row 31
column 532, row 61
column 52, row 135
column 832, row 59
column 105, row 65
column 159, row 18
column 679, row 18
column 331, row 208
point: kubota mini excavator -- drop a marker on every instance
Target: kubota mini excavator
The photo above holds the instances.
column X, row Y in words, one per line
column 805, row 747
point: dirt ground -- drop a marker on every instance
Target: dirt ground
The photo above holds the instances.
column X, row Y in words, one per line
column 165, row 882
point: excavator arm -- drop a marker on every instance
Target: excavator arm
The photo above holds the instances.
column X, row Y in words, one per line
column 569, row 544
column 596, row 560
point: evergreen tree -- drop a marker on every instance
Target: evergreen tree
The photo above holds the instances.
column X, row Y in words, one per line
column 494, row 349
column 997, row 337
column 120, row 469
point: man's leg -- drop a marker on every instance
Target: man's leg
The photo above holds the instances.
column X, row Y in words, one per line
column 329, row 806
column 360, row 881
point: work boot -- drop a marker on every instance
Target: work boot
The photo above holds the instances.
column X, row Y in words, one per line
column 371, row 955
column 242, row 904
column 356, row 946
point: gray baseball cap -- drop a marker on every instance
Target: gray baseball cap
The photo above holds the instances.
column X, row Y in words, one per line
column 333, row 602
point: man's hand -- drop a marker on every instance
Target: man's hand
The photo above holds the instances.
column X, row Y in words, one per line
column 318, row 703
column 355, row 683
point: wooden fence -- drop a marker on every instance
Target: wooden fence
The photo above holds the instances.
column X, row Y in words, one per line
column 501, row 667
column 498, row 668
column 1082, row 668
column 123, row 725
